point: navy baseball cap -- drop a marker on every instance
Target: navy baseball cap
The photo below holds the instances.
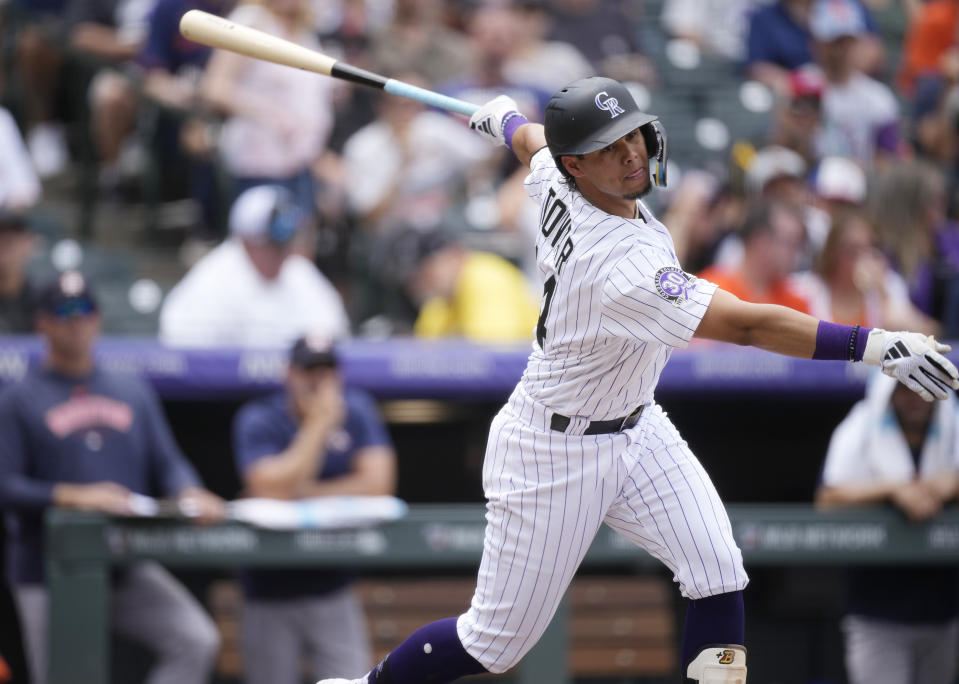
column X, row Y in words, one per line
column 67, row 296
column 411, row 247
column 591, row 113
column 313, row 351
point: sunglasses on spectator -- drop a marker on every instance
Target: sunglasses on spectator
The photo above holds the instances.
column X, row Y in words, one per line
column 73, row 308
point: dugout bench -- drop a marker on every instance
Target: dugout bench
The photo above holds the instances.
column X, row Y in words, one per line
column 81, row 548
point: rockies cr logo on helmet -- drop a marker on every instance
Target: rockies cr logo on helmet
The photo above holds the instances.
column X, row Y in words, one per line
column 609, row 104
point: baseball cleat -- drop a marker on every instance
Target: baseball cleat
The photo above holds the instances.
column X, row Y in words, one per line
column 719, row 664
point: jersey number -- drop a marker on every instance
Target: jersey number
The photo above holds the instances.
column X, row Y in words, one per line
column 548, row 288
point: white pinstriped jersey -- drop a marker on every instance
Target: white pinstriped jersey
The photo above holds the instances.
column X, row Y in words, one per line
column 615, row 302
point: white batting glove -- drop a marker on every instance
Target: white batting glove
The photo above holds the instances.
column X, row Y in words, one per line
column 913, row 359
column 488, row 119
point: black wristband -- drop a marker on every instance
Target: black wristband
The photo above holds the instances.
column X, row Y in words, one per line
column 852, row 342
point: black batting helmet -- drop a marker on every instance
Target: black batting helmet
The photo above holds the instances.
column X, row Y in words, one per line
column 591, row 113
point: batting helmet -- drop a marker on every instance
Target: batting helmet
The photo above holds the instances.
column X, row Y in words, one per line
column 591, row 113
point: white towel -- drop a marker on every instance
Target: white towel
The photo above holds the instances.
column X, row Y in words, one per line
column 869, row 446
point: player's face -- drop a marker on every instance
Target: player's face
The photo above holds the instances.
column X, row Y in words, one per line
column 786, row 240
column 835, row 56
column 617, row 172
column 267, row 258
column 913, row 412
column 437, row 276
column 16, row 246
column 855, row 244
column 70, row 338
column 302, row 384
column 287, row 8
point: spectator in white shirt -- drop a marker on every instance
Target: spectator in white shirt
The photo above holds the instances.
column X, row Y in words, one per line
column 718, row 27
column 860, row 114
column 893, row 448
column 408, row 166
column 254, row 290
column 19, row 184
column 277, row 119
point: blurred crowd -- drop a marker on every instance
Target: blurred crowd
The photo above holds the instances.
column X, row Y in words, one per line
column 815, row 164
column 838, row 198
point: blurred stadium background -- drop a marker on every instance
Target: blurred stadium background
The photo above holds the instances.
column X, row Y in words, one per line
column 134, row 225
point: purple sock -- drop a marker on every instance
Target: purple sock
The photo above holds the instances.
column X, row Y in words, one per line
column 431, row 655
column 713, row 620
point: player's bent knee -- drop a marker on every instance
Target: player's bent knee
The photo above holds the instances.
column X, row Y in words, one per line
column 719, row 664
column 693, row 590
column 496, row 655
column 499, row 667
column 497, row 662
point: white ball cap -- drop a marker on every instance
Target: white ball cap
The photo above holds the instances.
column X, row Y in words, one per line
column 773, row 161
column 842, row 179
column 253, row 211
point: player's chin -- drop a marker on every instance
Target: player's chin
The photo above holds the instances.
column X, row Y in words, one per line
column 638, row 187
column 638, row 194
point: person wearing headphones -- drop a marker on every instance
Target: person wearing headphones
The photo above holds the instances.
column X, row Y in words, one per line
column 254, row 289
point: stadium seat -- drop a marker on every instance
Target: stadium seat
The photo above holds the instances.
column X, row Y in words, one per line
column 702, row 73
column 679, row 113
column 743, row 124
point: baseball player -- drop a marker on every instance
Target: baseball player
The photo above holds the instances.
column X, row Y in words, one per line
column 581, row 441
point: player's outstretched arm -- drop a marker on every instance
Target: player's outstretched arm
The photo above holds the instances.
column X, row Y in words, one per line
column 765, row 326
column 500, row 121
column 913, row 359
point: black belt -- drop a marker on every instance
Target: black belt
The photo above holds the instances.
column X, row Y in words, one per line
column 559, row 423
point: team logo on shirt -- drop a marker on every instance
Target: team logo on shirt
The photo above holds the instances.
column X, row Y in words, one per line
column 674, row 285
column 609, row 104
column 86, row 411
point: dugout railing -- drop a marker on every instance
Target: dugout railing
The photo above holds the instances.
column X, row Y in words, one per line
column 82, row 548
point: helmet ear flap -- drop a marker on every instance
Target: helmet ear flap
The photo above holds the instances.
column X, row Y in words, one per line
column 657, row 149
column 649, row 137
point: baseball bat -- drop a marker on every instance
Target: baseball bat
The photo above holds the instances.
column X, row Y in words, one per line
column 209, row 29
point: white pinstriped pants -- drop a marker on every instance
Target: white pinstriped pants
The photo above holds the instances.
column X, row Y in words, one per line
column 548, row 492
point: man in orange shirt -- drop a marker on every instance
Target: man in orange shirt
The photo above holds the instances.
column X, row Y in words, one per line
column 929, row 40
column 773, row 239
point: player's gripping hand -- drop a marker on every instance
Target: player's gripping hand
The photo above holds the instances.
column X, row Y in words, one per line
column 913, row 359
column 488, row 119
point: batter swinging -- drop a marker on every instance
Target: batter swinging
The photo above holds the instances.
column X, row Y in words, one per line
column 581, row 441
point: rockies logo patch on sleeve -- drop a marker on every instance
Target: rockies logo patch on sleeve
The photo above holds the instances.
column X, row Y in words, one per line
column 674, row 284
